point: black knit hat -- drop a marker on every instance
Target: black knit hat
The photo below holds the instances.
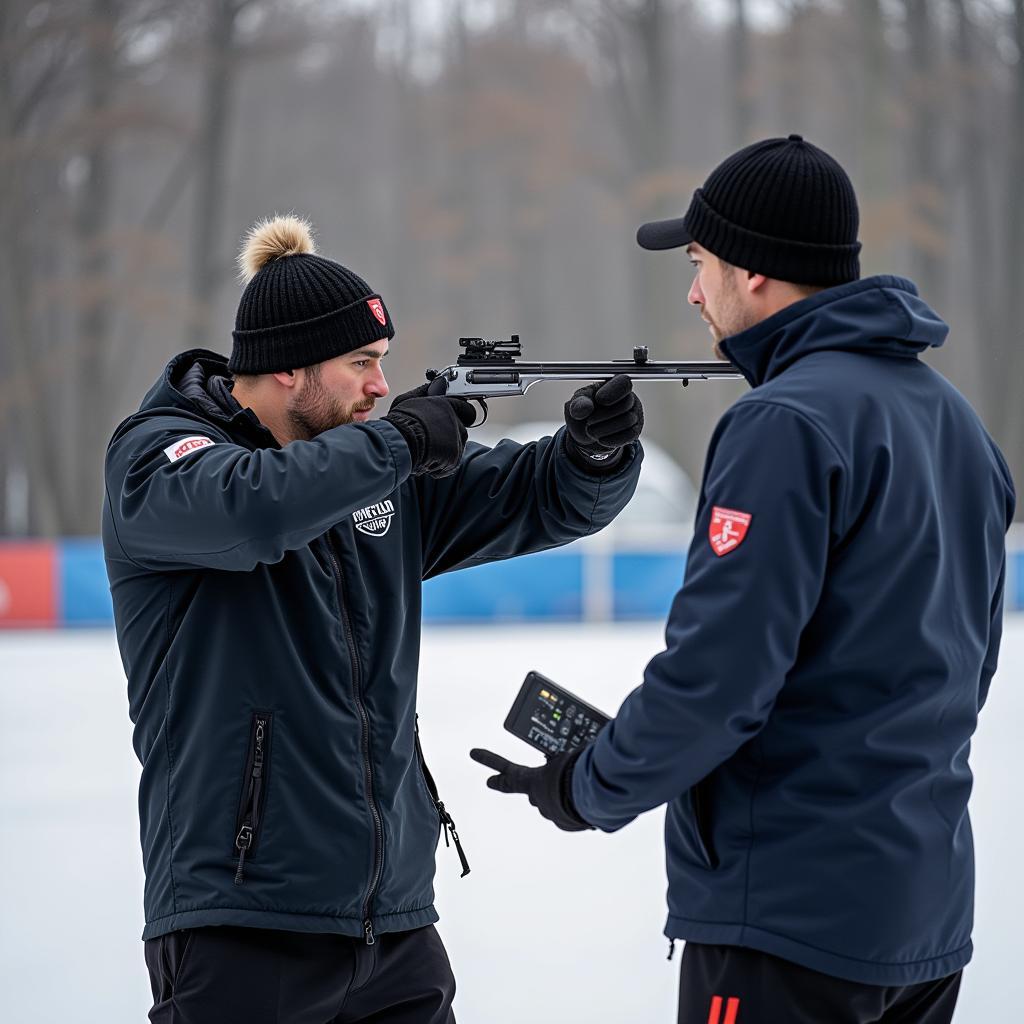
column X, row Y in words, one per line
column 781, row 207
column 299, row 308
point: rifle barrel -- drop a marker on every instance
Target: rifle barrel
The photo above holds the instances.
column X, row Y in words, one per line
column 495, row 372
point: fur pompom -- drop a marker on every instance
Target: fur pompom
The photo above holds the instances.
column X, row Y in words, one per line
column 272, row 238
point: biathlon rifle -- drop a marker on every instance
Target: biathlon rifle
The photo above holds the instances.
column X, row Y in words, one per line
column 491, row 369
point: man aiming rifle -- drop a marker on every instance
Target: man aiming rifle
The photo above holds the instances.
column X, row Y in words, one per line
column 266, row 544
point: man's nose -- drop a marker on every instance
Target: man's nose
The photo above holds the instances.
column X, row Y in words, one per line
column 377, row 385
column 695, row 296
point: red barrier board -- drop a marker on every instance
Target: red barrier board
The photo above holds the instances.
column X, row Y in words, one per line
column 28, row 584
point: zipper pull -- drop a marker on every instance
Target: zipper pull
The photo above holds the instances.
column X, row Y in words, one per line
column 448, row 824
column 368, row 930
column 671, row 948
column 242, row 842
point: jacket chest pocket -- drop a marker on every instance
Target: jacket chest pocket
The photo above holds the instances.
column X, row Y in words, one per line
column 255, row 779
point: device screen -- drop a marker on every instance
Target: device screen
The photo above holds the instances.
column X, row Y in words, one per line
column 552, row 719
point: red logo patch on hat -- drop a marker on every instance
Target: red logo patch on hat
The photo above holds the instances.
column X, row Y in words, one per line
column 377, row 309
column 727, row 530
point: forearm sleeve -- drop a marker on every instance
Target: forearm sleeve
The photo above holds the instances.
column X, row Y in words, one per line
column 514, row 499
column 754, row 575
column 224, row 506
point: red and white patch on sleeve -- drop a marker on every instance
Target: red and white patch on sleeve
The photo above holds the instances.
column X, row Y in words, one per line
column 186, row 446
column 377, row 309
column 727, row 530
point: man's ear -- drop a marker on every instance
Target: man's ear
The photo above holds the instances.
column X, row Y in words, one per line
column 755, row 282
column 286, row 378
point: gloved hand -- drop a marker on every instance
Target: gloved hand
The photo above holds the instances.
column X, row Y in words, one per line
column 434, row 427
column 549, row 788
column 600, row 419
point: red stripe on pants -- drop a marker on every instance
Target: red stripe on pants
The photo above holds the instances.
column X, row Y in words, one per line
column 732, row 1008
column 716, row 1010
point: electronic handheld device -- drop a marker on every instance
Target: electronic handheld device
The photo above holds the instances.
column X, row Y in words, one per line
column 551, row 718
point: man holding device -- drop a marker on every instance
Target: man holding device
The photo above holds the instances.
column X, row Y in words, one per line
column 809, row 721
column 266, row 544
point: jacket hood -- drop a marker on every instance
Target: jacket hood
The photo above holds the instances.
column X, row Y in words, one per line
column 183, row 383
column 196, row 381
column 882, row 316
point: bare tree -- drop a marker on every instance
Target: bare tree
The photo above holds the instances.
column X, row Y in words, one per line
column 81, row 394
column 742, row 75
column 1013, row 321
column 63, row 108
column 638, row 49
column 80, row 480
column 218, row 60
column 973, row 173
column 34, row 59
column 876, row 82
column 793, row 63
column 926, row 193
column 489, row 167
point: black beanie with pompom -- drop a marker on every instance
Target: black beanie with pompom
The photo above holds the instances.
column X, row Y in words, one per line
column 299, row 308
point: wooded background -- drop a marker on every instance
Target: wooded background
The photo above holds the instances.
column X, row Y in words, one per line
column 484, row 165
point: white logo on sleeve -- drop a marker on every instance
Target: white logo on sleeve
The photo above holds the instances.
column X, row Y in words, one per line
column 185, row 446
column 374, row 520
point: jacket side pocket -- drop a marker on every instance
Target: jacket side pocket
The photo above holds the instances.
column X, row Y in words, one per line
column 700, row 801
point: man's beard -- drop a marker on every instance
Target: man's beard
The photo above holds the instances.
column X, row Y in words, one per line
column 732, row 317
column 316, row 410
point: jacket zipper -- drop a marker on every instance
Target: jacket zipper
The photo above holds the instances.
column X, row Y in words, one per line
column 378, row 848
column 251, row 820
column 447, row 822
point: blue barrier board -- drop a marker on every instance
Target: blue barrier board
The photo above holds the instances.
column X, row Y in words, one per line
column 545, row 586
column 645, row 583
column 84, row 593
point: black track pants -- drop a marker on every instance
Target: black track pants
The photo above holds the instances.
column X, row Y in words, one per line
column 254, row 976
column 730, row 985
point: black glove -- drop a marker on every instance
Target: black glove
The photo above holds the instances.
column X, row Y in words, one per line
column 434, row 427
column 549, row 787
column 600, row 419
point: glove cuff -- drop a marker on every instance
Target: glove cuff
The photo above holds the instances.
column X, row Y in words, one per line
column 413, row 434
column 602, row 464
column 565, row 791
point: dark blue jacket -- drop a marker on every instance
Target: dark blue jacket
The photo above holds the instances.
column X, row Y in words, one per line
column 810, row 720
column 267, row 605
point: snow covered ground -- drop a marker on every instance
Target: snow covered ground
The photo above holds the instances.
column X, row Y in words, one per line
column 549, row 927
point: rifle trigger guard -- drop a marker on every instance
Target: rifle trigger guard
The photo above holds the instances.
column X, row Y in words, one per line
column 482, row 402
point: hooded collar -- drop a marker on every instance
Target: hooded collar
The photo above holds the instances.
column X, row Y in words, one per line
column 882, row 316
column 198, row 380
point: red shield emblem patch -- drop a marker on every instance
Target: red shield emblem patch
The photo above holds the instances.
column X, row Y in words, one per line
column 727, row 530
column 377, row 309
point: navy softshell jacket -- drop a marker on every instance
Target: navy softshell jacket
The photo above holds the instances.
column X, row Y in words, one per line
column 810, row 719
column 267, row 606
